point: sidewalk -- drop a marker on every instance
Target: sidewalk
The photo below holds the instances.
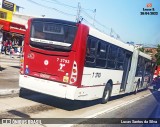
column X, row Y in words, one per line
column 9, row 75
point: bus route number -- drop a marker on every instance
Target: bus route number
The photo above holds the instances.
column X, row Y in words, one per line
column 63, row 60
column 96, row 75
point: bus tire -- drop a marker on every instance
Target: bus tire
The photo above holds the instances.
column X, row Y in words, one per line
column 106, row 93
column 22, row 92
column 137, row 86
column 147, row 86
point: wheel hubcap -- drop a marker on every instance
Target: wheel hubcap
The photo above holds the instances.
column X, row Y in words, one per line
column 106, row 94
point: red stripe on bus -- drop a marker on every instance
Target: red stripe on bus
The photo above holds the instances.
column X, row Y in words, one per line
column 117, row 84
column 98, row 85
column 91, row 86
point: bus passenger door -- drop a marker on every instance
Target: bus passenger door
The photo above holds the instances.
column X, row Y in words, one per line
column 127, row 64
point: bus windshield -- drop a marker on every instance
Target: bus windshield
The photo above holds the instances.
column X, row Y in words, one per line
column 52, row 36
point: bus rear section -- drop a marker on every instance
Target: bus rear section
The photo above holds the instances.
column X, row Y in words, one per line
column 53, row 58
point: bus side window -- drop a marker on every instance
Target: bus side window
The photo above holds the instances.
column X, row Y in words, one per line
column 91, row 51
column 92, row 48
column 101, row 54
column 101, row 51
column 140, row 66
column 112, row 56
column 120, row 59
column 148, row 68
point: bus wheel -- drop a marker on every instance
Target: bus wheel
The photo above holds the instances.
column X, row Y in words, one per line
column 21, row 92
column 136, row 90
column 148, row 84
column 106, row 93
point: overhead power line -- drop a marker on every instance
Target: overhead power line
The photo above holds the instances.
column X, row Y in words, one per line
column 78, row 16
column 93, row 18
column 51, row 8
column 72, row 6
column 66, row 5
column 88, row 22
column 60, row 3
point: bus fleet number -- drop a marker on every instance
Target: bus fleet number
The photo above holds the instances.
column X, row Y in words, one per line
column 63, row 60
column 96, row 75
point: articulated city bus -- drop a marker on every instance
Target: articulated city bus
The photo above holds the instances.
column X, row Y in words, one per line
column 74, row 61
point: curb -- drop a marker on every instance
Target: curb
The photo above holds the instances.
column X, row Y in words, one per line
column 9, row 91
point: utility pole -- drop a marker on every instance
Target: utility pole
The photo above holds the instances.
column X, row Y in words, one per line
column 94, row 16
column 78, row 12
column 111, row 32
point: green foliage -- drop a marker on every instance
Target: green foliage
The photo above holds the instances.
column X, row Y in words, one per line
column 157, row 55
column 141, row 49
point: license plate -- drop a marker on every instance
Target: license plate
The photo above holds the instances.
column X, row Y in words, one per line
column 44, row 76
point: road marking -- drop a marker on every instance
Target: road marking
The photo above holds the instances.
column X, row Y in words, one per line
column 118, row 106
column 112, row 109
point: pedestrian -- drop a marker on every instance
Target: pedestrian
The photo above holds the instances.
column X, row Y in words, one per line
column 157, row 82
column 16, row 46
column 1, row 41
column 1, row 45
column 11, row 52
column 9, row 45
column 2, row 48
column 5, row 46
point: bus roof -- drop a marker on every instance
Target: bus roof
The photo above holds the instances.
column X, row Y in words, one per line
column 96, row 33
column 109, row 39
column 145, row 55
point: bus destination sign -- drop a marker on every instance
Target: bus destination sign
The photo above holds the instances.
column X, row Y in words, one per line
column 53, row 28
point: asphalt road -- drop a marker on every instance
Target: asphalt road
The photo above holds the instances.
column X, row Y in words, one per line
column 148, row 107
column 36, row 105
column 9, row 72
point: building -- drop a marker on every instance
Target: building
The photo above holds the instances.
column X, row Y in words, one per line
column 20, row 18
column 151, row 51
column 138, row 46
column 6, row 10
column 10, row 30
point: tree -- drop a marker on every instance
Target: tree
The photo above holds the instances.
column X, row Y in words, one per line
column 157, row 55
column 141, row 49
